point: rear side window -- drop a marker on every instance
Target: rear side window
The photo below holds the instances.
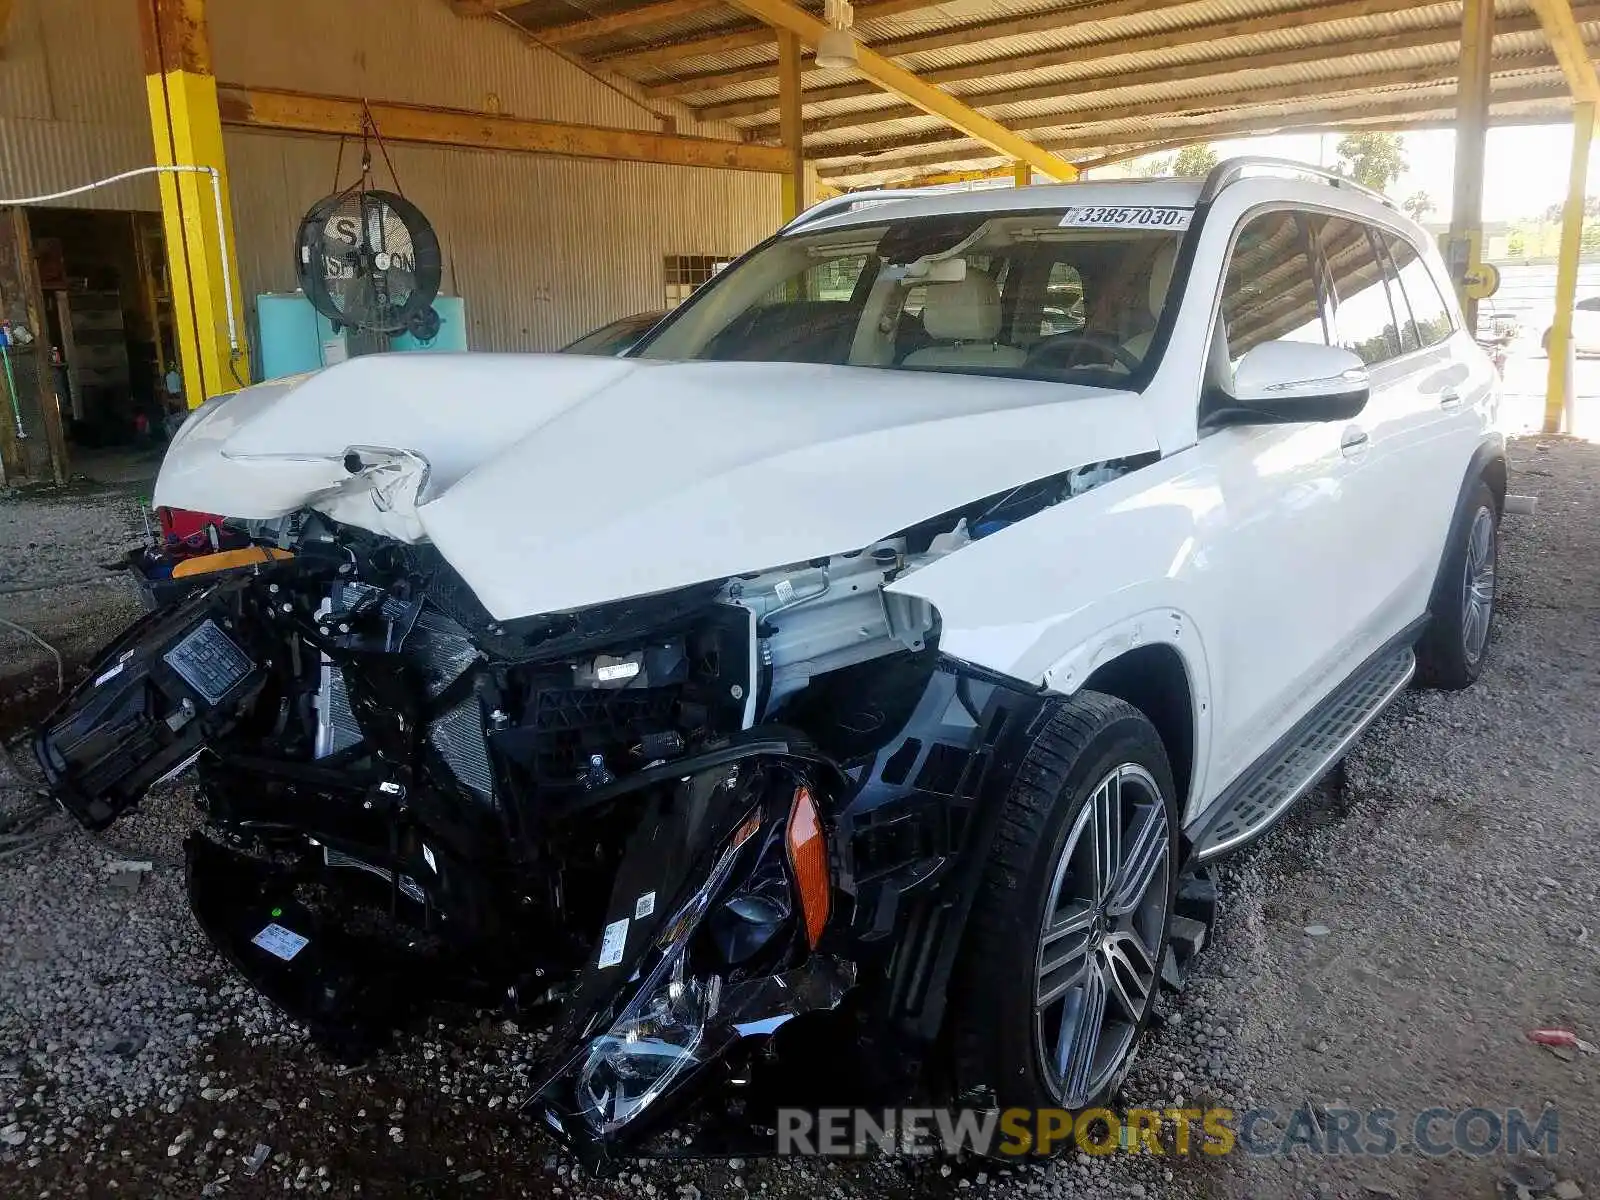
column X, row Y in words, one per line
column 1270, row 291
column 1405, row 327
column 1362, row 314
column 1429, row 315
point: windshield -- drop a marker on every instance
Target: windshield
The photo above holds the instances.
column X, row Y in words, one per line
column 1013, row 295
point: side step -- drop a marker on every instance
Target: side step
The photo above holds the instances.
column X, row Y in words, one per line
column 1263, row 793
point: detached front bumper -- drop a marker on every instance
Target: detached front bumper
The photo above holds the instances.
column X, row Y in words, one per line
column 686, row 1004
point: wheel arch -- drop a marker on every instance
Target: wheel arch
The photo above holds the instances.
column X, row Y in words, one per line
column 1488, row 465
column 1155, row 680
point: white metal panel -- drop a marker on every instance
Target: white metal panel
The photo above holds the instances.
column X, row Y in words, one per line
column 669, row 457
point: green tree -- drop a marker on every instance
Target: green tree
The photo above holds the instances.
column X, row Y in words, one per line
column 1195, row 162
column 1418, row 205
column 1374, row 160
column 1591, row 239
column 1154, row 168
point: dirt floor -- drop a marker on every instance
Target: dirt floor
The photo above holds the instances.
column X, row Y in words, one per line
column 1388, row 948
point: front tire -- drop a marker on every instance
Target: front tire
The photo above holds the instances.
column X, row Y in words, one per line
column 1452, row 651
column 1062, row 957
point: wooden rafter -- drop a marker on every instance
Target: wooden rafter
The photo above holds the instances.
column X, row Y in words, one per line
column 1236, row 97
column 791, row 19
column 1283, row 93
column 1323, row 116
column 302, row 112
column 480, row 8
column 1560, row 23
column 1105, row 45
column 619, row 22
column 741, row 37
column 1103, row 78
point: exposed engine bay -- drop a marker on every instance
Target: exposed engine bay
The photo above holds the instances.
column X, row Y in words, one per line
column 693, row 828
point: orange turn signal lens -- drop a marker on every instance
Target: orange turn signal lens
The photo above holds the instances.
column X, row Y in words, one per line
column 808, row 859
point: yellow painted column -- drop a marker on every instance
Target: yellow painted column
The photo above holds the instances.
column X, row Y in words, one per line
column 1464, row 249
column 791, row 125
column 187, row 131
column 1560, row 352
column 1021, row 174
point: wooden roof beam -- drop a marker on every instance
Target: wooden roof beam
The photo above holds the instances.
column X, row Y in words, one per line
column 1435, row 102
column 1175, row 107
column 1108, row 46
column 303, row 112
column 1112, row 80
column 1566, row 40
column 787, row 17
column 619, row 22
column 741, row 37
column 480, row 8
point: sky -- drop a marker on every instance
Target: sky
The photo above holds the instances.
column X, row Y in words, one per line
column 1525, row 171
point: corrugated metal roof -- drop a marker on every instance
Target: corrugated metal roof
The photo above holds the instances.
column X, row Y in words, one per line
column 1092, row 68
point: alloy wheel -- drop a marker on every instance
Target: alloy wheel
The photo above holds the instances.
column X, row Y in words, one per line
column 1478, row 585
column 1101, row 935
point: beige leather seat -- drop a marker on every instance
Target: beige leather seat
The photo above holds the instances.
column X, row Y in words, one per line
column 965, row 317
column 1156, row 297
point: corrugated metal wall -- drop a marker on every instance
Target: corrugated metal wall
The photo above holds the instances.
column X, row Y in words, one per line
column 542, row 248
column 72, row 102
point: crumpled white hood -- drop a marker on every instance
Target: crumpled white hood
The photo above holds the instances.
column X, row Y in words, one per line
column 555, row 481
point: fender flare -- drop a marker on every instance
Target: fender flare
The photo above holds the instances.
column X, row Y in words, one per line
column 1168, row 626
column 1488, row 463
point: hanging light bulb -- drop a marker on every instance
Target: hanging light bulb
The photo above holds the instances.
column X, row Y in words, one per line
column 836, row 48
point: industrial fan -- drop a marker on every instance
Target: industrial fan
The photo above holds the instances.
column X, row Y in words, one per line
column 369, row 261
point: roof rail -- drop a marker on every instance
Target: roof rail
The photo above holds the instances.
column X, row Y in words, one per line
column 844, row 203
column 1230, row 170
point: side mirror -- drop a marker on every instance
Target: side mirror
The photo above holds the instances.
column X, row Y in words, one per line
column 1295, row 381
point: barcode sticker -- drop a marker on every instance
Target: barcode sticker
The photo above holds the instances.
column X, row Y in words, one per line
column 280, row 942
column 616, row 937
column 644, row 906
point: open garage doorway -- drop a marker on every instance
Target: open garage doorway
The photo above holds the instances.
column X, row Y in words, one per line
column 106, row 320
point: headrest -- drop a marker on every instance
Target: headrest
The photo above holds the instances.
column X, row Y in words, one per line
column 1161, row 265
column 965, row 311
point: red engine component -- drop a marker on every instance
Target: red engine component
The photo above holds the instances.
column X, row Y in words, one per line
column 180, row 525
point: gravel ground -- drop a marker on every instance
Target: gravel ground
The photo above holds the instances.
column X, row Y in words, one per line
column 52, row 582
column 1445, row 877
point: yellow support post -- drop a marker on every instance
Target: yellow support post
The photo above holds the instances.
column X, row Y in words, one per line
column 1021, row 174
column 784, row 16
column 1566, row 40
column 202, row 264
column 789, row 112
column 1465, row 241
column 1557, row 399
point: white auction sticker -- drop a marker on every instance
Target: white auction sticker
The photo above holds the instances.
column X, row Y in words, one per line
column 1125, row 216
column 644, row 906
column 616, row 937
column 280, row 942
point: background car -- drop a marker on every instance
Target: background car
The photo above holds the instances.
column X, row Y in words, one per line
column 1585, row 328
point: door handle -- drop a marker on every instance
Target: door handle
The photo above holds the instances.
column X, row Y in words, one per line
column 1354, row 443
column 1449, row 398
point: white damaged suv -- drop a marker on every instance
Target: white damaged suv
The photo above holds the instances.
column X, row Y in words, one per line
column 874, row 657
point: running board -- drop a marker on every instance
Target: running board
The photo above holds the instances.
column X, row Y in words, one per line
column 1265, row 792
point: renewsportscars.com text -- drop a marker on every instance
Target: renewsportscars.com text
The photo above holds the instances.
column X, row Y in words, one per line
column 1335, row 1131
